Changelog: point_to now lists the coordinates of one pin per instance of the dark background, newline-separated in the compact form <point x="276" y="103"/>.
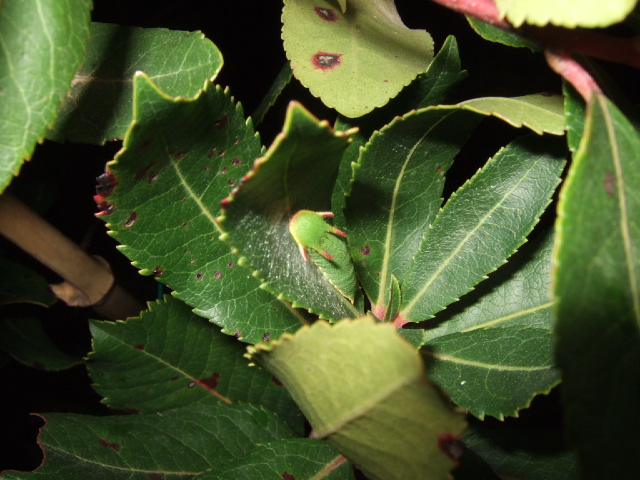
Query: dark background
<point x="60" y="179"/>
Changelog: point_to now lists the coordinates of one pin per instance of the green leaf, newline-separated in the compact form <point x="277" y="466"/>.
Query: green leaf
<point x="397" y="192"/>
<point x="575" y="110"/>
<point x="41" y="45"/>
<point x="282" y="80"/>
<point x="357" y="60"/>
<point x="178" y="443"/>
<point x="598" y="307"/>
<point x="570" y="13"/>
<point x="517" y="294"/>
<point x="481" y="225"/>
<point x="524" y="452"/>
<point x="26" y="341"/>
<point x="20" y="284"/>
<point x="496" y="371"/>
<point x="170" y="358"/>
<point x="179" y="160"/>
<point x="499" y="35"/>
<point x="542" y="113"/>
<point x="355" y="406"/>
<point x="99" y="107"/>
<point x="297" y="173"/>
<point x="300" y="458"/>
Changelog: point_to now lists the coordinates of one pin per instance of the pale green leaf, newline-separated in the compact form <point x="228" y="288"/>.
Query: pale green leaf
<point x="170" y="358"/>
<point x="297" y="173"/>
<point x="355" y="406"/>
<point x="597" y="287"/>
<point x="41" y="46"/>
<point x="179" y="160"/>
<point x="357" y="60"/>
<point x="496" y="371"/>
<point x="569" y="13"/>
<point x="99" y="108"/>
<point x="542" y="113"/>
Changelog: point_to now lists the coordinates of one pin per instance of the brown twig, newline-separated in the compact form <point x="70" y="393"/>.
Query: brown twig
<point x="88" y="280"/>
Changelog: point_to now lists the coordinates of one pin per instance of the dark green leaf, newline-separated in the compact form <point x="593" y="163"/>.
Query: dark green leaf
<point x="300" y="458"/>
<point x="19" y="284"/>
<point x="499" y="35"/>
<point x="597" y="286"/>
<point x="519" y="293"/>
<point x="397" y="192"/>
<point x="496" y="371"/>
<point x="481" y="225"/>
<point x="180" y="159"/>
<point x="574" y="110"/>
<point x="99" y="107"/>
<point x="170" y="358"/>
<point x="42" y="43"/>
<point x="389" y="420"/>
<point x="26" y="341"/>
<point x="297" y="173"/>
<point x="175" y="444"/>
<point x="281" y="81"/>
<point x="524" y="452"/>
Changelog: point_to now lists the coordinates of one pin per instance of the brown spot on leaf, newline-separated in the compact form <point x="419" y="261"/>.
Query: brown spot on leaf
<point x="157" y="272"/>
<point x="217" y="275"/>
<point x="211" y="153"/>
<point x="232" y="183"/>
<point x="153" y="176"/>
<point x="139" y="347"/>
<point x="327" y="14"/>
<point x="451" y="446"/>
<point x="236" y="161"/>
<point x="230" y="265"/>
<point x="276" y="381"/>
<point x="266" y="337"/>
<point x="326" y="61"/>
<point x="104" y="208"/>
<point x="131" y="220"/>
<point x="105" y="184"/>
<point x="365" y="250"/>
<point x="113" y="446"/>
<point x="610" y="184"/>
<point x="237" y="334"/>
<point x="145" y="144"/>
<point x="222" y="122"/>
<point x="155" y="476"/>
<point x="143" y="171"/>
<point x="223" y="170"/>
<point x="210" y="382"/>
<point x="288" y="476"/>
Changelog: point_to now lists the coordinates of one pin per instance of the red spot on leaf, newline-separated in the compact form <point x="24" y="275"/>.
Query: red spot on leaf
<point x="451" y="446"/>
<point x="222" y="122"/>
<point x="326" y="61"/>
<point x="104" y="207"/>
<point x="288" y="476"/>
<point x="114" y="446"/>
<point x="328" y="14"/>
<point x="210" y="383"/>
<point x="139" y="347"/>
<point x="230" y="265"/>
<point x="276" y="381"/>
<point x="131" y="220"/>
<point x="155" y="476"/>
<point x="143" y="171"/>
<point x="366" y="250"/>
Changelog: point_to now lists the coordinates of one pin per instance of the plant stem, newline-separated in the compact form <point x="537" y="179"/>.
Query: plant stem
<point x="88" y="280"/>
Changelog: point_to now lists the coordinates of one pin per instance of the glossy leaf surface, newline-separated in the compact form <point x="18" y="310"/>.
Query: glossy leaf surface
<point x="296" y="173"/>
<point x="170" y="358"/>
<point x="41" y="46"/>
<point x="299" y="458"/>
<point x="354" y="60"/>
<point x="484" y="223"/>
<point x="99" y="108"/>
<point x="496" y="371"/>
<point x="570" y="13"/>
<point x="597" y="286"/>
<point x="179" y="160"/>
<point x="178" y="443"/>
<point x="397" y="192"/>
<point x="354" y="406"/>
